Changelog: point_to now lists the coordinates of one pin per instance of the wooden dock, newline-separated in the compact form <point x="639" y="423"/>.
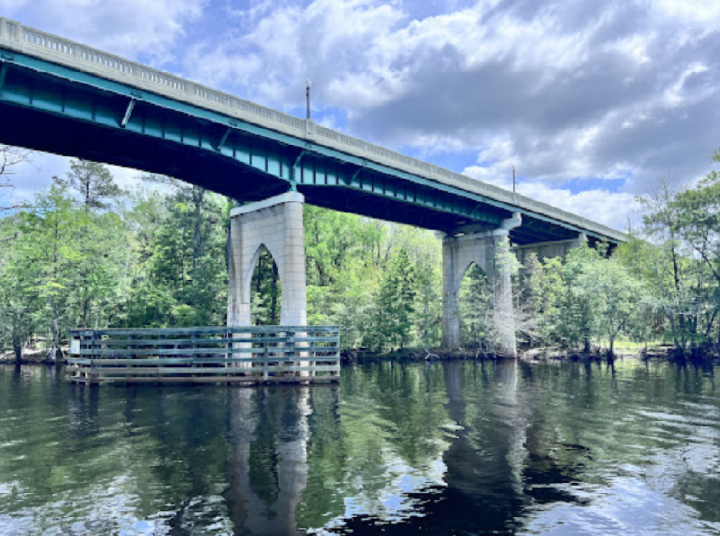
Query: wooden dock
<point x="238" y="355"/>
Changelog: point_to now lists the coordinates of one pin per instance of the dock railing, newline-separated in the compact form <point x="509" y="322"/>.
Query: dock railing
<point x="245" y="354"/>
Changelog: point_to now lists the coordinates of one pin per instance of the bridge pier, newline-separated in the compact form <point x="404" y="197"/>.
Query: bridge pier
<point x="489" y="249"/>
<point x="276" y="223"/>
<point x="549" y="250"/>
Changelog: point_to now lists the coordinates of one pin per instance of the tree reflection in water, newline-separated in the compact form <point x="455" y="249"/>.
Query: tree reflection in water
<point x="442" y="448"/>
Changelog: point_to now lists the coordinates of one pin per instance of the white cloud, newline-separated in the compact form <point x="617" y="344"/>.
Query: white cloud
<point x="330" y="41"/>
<point x="129" y="28"/>
<point x="693" y="11"/>
<point x="678" y="93"/>
<point x="528" y="83"/>
<point x="585" y="89"/>
<point x="36" y="175"/>
<point x="613" y="209"/>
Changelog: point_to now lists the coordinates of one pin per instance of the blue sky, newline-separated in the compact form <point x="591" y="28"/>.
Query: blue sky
<point x="590" y="101"/>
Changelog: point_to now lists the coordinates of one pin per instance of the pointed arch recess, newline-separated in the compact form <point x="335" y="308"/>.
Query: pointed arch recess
<point x="247" y="278"/>
<point x="275" y="291"/>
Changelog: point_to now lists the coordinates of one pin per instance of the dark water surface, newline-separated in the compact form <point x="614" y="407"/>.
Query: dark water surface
<point x="445" y="448"/>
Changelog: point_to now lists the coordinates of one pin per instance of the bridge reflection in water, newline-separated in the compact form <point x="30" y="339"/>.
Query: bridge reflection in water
<point x="267" y="468"/>
<point x="380" y="480"/>
<point x="442" y="448"/>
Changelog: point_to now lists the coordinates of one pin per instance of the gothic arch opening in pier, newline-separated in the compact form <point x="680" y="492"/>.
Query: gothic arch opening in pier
<point x="265" y="290"/>
<point x="475" y="304"/>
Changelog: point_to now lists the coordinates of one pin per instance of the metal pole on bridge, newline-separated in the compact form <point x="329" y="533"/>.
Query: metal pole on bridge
<point x="308" y="85"/>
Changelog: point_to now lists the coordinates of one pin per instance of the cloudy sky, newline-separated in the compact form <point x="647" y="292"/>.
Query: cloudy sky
<point x="590" y="100"/>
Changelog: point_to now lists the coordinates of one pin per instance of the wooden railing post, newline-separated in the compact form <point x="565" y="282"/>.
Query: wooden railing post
<point x="93" y="345"/>
<point x="266" y="355"/>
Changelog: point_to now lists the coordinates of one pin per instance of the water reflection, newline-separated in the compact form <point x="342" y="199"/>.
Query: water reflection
<point x="442" y="448"/>
<point x="267" y="459"/>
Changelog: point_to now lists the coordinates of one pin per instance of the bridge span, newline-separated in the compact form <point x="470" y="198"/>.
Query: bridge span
<point x="63" y="97"/>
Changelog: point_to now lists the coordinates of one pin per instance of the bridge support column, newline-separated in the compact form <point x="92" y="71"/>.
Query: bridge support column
<point x="549" y="250"/>
<point x="277" y="224"/>
<point x="490" y="251"/>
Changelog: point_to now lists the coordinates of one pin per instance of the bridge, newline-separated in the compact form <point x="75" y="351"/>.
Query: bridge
<point x="63" y="97"/>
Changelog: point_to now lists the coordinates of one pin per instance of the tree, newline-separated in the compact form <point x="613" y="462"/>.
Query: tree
<point x="53" y="226"/>
<point x="10" y="158"/>
<point x="396" y="302"/>
<point x="674" y="276"/>
<point x="265" y="291"/>
<point x="540" y="290"/>
<point x="189" y="260"/>
<point x="697" y="224"/>
<point x="475" y="304"/>
<point x="94" y="183"/>
<point x="342" y="279"/>
<point x="577" y="303"/>
<point x="425" y="253"/>
<point x="19" y="297"/>
<point x="619" y="303"/>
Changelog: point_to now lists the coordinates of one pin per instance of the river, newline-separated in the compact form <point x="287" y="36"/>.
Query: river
<point x="442" y="448"/>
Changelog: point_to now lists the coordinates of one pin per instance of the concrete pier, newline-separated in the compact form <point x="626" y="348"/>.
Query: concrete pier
<point x="488" y="248"/>
<point x="276" y="223"/>
<point x="549" y="250"/>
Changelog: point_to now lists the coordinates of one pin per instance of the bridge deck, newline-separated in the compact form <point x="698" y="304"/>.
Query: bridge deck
<point x="237" y="117"/>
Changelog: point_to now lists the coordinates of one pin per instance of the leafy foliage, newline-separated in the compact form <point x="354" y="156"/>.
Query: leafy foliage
<point x="476" y="304"/>
<point x="266" y="291"/>
<point x="395" y="305"/>
<point x="87" y="253"/>
<point x="93" y="182"/>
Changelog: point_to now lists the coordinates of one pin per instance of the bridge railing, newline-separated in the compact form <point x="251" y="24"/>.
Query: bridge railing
<point x="63" y="51"/>
<point x="247" y="354"/>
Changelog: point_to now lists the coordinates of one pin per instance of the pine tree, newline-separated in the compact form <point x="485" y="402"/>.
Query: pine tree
<point x="266" y="291"/>
<point x="396" y="301"/>
<point x="94" y="183"/>
<point x="475" y="303"/>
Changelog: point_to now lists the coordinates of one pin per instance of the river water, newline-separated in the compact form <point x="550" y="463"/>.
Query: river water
<point x="443" y="448"/>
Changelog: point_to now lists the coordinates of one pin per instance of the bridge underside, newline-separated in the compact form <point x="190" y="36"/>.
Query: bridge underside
<point x="52" y="108"/>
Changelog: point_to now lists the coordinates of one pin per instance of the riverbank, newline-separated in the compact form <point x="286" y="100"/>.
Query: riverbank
<point x="622" y="351"/>
<point x="30" y="357"/>
<point x="419" y="354"/>
<point x="415" y="355"/>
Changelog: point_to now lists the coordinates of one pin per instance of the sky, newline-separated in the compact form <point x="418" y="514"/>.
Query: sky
<point x="591" y="101"/>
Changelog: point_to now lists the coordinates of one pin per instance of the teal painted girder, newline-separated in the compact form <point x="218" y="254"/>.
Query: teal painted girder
<point x="118" y="124"/>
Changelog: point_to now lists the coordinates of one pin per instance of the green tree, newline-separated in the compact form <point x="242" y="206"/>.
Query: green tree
<point x="54" y="226"/>
<point x="576" y="306"/>
<point x="10" y="158"/>
<point x="425" y="253"/>
<point x="396" y="302"/>
<point x="93" y="182"/>
<point x="265" y="291"/>
<point x="76" y="264"/>
<point x="675" y="276"/>
<point x="188" y="262"/>
<point x="342" y="276"/>
<point x="540" y="290"/>
<point x="697" y="224"/>
<point x="19" y="297"/>
<point x="475" y="303"/>
<point x="619" y="303"/>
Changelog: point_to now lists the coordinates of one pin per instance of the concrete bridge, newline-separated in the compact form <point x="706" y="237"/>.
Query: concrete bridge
<point x="67" y="98"/>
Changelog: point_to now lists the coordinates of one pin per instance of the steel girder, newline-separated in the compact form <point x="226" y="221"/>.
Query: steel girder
<point x="56" y="109"/>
